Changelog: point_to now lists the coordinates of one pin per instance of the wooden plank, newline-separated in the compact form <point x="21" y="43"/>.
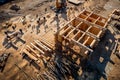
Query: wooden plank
<point x="33" y="51"/>
<point x="44" y="45"/>
<point x="40" y="45"/>
<point x="37" y="48"/>
<point x="30" y="55"/>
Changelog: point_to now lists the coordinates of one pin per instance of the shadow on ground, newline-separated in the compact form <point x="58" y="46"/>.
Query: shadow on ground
<point x="100" y="57"/>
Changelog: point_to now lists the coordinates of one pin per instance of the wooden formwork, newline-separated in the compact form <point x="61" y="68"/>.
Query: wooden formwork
<point x="93" y="19"/>
<point x="38" y="50"/>
<point x="82" y="33"/>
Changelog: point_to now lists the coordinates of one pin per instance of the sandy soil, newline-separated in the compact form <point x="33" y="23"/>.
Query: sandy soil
<point x="33" y="7"/>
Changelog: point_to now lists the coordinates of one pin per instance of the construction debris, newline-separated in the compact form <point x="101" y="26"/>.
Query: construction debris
<point x="15" y="7"/>
<point x="3" y="60"/>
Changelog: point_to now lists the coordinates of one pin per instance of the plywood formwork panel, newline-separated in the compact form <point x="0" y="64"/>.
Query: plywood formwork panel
<point x="82" y="16"/>
<point x="75" y="22"/>
<point x="77" y="36"/>
<point x="83" y="26"/>
<point x="87" y="13"/>
<point x="84" y="38"/>
<point x="67" y="31"/>
<point x="102" y="19"/>
<point x="94" y="30"/>
<point x="89" y="41"/>
<point x="100" y="23"/>
<point x="82" y="46"/>
<point x="71" y="31"/>
<point x="94" y="16"/>
<point x="90" y="19"/>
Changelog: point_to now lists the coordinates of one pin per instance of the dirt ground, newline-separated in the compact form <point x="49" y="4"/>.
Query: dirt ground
<point x="31" y="8"/>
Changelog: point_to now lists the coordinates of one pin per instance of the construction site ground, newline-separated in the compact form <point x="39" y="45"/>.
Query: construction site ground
<point x="102" y="58"/>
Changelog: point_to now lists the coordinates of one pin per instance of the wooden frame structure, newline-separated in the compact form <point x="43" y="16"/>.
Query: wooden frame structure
<point x="38" y="50"/>
<point x="82" y="33"/>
